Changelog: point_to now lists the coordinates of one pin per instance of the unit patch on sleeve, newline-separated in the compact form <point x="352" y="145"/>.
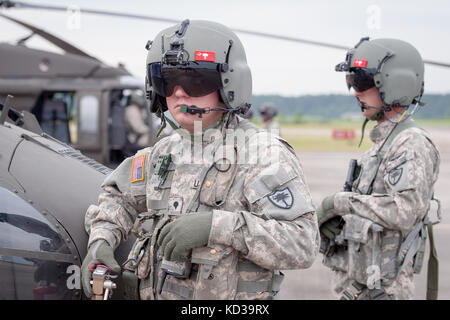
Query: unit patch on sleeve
<point x="282" y="198"/>
<point x="137" y="168"/>
<point x="395" y="175"/>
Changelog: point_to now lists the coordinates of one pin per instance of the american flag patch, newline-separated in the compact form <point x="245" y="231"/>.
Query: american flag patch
<point x="137" y="168"/>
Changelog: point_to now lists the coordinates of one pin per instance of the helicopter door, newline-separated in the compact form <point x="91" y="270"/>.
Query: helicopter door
<point x="117" y="130"/>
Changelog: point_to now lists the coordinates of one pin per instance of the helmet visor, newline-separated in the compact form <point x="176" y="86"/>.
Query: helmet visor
<point x="360" y="80"/>
<point x="196" y="78"/>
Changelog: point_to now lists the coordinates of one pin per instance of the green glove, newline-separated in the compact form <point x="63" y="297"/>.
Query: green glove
<point x="324" y="209"/>
<point x="186" y="232"/>
<point x="331" y="228"/>
<point x="100" y="252"/>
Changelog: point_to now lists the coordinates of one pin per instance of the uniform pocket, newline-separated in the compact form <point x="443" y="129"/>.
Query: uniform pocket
<point x="218" y="181"/>
<point x="217" y="276"/>
<point x="356" y="228"/>
<point x="367" y="174"/>
<point x="338" y="261"/>
<point x="139" y="258"/>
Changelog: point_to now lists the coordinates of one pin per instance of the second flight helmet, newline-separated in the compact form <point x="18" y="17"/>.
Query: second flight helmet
<point x="394" y="66"/>
<point x="202" y="57"/>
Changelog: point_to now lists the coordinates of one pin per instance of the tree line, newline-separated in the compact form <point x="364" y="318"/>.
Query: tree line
<point x="335" y="105"/>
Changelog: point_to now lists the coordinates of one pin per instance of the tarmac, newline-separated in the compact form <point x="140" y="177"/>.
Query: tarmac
<point x="325" y="174"/>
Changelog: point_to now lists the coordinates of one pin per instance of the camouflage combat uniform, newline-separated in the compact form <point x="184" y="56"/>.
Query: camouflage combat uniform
<point x="379" y="216"/>
<point x="263" y="218"/>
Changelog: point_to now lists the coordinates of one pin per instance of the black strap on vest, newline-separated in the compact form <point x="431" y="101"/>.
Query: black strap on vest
<point x="433" y="263"/>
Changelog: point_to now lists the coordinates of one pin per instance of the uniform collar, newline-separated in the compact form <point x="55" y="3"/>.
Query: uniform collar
<point x="381" y="131"/>
<point x="205" y="136"/>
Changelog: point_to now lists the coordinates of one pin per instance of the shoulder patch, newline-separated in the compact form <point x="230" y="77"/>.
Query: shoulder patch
<point x="137" y="168"/>
<point x="282" y="198"/>
<point x="395" y="175"/>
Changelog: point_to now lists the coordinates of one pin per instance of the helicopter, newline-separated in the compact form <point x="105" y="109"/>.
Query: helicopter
<point x="75" y="97"/>
<point x="46" y="187"/>
<point x="80" y="100"/>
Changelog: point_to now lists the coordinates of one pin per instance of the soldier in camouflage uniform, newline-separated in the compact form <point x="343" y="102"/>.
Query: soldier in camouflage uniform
<point x="225" y="219"/>
<point x="373" y="235"/>
<point x="138" y="129"/>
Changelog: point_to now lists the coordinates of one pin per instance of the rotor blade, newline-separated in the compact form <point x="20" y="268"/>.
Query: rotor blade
<point x="18" y="4"/>
<point x="67" y="47"/>
<point x="23" y="5"/>
<point x="279" y="37"/>
<point x="435" y="63"/>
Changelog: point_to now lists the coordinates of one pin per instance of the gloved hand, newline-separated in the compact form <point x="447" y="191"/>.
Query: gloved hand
<point x="323" y="211"/>
<point x="100" y="252"/>
<point x="331" y="228"/>
<point x="186" y="232"/>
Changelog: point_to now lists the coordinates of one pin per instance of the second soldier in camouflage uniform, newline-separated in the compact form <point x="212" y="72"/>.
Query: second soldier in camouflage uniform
<point x="373" y="237"/>
<point x="224" y="225"/>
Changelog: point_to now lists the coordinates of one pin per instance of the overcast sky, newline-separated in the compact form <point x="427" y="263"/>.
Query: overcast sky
<point x="278" y="67"/>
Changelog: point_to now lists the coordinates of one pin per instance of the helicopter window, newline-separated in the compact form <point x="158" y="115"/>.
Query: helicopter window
<point x="33" y="257"/>
<point x="89" y="114"/>
<point x="53" y="111"/>
<point x="117" y="128"/>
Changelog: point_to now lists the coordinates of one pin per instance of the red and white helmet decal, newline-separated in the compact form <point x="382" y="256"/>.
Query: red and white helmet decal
<point x="205" y="56"/>
<point x="360" y="63"/>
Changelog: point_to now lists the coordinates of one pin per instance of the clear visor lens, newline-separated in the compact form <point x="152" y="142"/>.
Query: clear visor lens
<point x="197" y="78"/>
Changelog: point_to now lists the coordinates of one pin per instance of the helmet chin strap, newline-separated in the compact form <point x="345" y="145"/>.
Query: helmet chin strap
<point x="380" y="115"/>
<point x="164" y="121"/>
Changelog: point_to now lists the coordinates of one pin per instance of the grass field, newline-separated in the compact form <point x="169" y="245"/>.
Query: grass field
<point x="352" y="124"/>
<point x="316" y="135"/>
<point x="325" y="143"/>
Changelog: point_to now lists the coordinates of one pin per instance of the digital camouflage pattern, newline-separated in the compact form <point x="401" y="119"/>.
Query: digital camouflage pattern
<point x="251" y="238"/>
<point x="399" y="200"/>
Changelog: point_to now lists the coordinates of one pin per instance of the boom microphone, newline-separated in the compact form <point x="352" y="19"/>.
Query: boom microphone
<point x="200" y="111"/>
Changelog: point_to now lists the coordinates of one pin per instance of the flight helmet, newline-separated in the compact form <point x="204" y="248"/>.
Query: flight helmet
<point x="202" y="57"/>
<point x="394" y="66"/>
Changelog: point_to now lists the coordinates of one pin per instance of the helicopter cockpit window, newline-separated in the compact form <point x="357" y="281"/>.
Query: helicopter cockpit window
<point x="128" y="129"/>
<point x="34" y="259"/>
<point x="89" y="114"/>
<point x="54" y="111"/>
